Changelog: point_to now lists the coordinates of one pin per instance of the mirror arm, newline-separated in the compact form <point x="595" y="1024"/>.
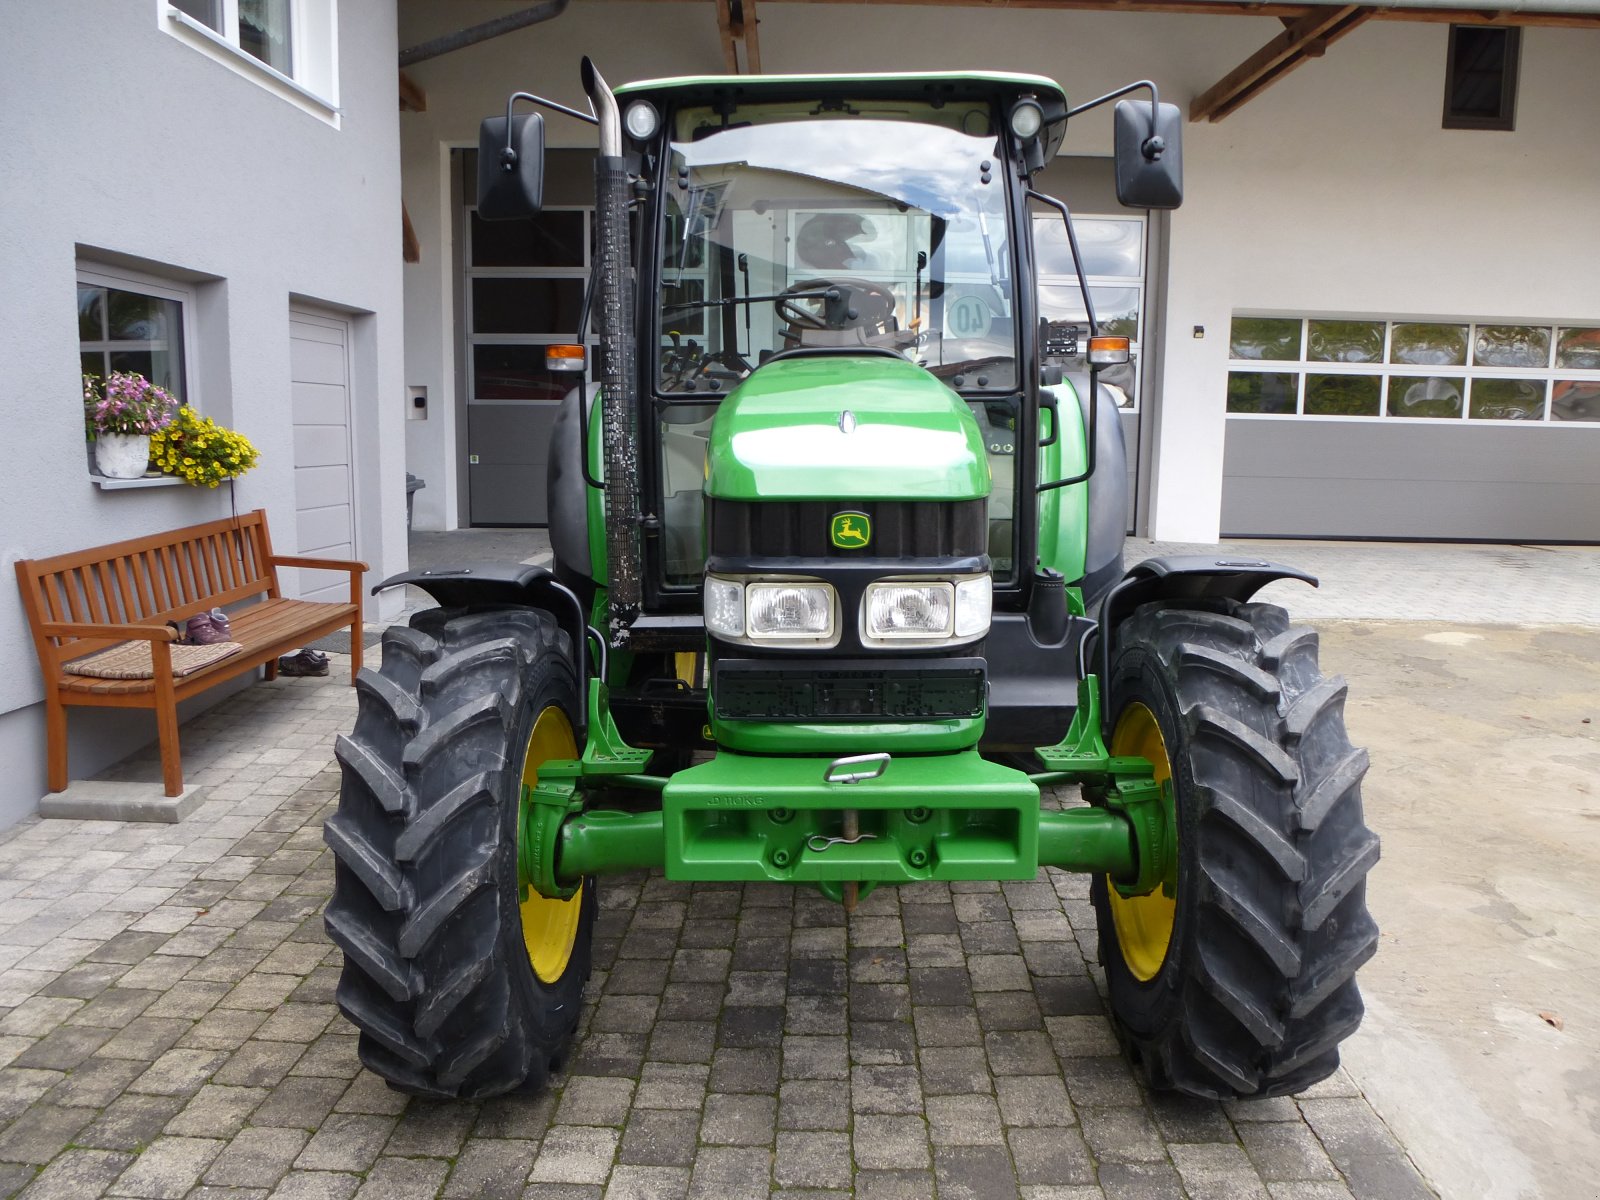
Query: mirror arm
<point x="1153" y="147"/>
<point x="508" y="156"/>
<point x="1094" y="330"/>
<point x="1077" y="260"/>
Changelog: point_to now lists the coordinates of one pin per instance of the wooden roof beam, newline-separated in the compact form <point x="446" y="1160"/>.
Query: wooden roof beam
<point x="1252" y="8"/>
<point x="412" y="97"/>
<point x="1309" y="37"/>
<point x="736" y="24"/>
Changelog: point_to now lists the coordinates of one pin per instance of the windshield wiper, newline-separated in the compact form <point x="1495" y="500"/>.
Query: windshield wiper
<point x="816" y="294"/>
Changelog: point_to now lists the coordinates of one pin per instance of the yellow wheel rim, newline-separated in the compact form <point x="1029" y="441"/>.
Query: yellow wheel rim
<point x="549" y="927"/>
<point x="1143" y="923"/>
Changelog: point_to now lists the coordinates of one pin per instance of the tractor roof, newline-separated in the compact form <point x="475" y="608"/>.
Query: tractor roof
<point x="910" y="83"/>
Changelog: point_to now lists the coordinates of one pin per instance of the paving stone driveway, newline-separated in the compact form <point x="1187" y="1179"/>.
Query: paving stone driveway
<point x="168" y="1029"/>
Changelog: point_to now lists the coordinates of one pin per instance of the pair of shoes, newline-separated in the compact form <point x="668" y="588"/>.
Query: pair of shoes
<point x="303" y="664"/>
<point x="203" y="629"/>
<point x="208" y="628"/>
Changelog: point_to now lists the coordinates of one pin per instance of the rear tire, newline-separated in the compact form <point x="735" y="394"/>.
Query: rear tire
<point x="439" y="976"/>
<point x="1254" y="986"/>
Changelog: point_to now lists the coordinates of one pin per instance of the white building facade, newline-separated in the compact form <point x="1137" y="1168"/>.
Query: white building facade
<point x="207" y="193"/>
<point x="1360" y="323"/>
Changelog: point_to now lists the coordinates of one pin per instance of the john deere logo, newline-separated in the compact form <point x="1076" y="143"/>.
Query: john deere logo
<point x="850" y="530"/>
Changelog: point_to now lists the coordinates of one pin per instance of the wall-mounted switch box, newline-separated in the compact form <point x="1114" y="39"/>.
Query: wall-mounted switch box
<point x="416" y="404"/>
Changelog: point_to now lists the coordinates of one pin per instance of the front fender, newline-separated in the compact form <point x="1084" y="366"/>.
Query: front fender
<point x="502" y="585"/>
<point x="1180" y="578"/>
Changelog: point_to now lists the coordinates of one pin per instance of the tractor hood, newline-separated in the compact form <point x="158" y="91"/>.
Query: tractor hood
<point x="837" y="426"/>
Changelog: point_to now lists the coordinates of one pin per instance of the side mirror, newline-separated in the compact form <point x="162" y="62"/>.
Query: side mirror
<point x="1149" y="155"/>
<point x="510" y="168"/>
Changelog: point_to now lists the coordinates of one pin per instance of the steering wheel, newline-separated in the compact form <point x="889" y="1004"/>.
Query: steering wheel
<point x="859" y="303"/>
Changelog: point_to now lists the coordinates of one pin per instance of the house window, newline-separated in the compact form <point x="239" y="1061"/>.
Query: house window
<point x="289" y="46"/>
<point x="1480" y="85"/>
<point x="133" y="324"/>
<point x="1477" y="371"/>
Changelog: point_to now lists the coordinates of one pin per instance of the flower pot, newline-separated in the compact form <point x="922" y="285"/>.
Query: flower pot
<point x="122" y="455"/>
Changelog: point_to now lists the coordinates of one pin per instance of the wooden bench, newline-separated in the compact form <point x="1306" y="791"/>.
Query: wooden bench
<point x="93" y="599"/>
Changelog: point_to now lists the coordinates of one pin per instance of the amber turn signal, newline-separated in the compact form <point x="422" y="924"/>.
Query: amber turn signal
<point x="570" y="358"/>
<point x="1108" y="351"/>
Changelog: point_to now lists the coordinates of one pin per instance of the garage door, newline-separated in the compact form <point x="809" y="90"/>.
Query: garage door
<point x="324" y="491"/>
<point x="1394" y="428"/>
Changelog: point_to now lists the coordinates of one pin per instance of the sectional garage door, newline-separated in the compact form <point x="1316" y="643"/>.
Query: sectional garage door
<point x="324" y="485"/>
<point x="1424" y="429"/>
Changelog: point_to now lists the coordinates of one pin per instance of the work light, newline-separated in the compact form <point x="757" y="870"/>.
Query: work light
<point x="642" y="120"/>
<point x="1027" y="118"/>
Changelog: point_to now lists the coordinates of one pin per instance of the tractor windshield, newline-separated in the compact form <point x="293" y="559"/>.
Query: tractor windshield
<point x="846" y="223"/>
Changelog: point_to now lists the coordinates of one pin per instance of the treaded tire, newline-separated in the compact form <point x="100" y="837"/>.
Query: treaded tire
<point x="425" y="902"/>
<point x="1257" y="988"/>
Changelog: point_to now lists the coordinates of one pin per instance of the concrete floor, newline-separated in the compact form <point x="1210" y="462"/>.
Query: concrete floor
<point x="1481" y="1047"/>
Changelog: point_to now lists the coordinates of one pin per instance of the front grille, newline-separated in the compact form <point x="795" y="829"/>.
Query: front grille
<point x="748" y="691"/>
<point x="800" y="528"/>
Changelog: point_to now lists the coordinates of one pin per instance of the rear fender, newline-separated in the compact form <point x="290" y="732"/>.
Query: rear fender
<point x="1181" y="579"/>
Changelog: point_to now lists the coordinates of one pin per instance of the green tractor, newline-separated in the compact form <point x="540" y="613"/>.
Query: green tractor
<point x="838" y="589"/>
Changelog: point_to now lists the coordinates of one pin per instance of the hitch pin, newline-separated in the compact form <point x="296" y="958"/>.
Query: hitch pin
<point x="818" y="842"/>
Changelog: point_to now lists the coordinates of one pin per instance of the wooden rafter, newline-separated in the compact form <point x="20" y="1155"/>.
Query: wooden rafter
<point x="412" y="97"/>
<point x="1253" y="8"/>
<point x="1309" y="37"/>
<point x="736" y="23"/>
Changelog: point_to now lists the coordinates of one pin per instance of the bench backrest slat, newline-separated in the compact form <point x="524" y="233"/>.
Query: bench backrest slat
<point x="154" y="579"/>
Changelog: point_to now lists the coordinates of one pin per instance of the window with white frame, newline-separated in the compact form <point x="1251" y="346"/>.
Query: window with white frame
<point x="288" y="45"/>
<point x="1113" y="250"/>
<point x="137" y="324"/>
<point x="1386" y="368"/>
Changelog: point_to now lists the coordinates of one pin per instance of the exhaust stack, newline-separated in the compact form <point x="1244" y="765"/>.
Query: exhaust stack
<point x="618" y="361"/>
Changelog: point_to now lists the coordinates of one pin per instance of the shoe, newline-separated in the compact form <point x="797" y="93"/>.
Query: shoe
<point x="208" y="628"/>
<point x="303" y="664"/>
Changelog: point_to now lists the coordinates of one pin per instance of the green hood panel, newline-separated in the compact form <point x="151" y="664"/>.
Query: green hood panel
<point x="781" y="435"/>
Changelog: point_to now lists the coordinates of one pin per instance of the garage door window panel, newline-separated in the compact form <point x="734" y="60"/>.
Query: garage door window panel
<point x="1425" y="396"/>
<point x="1428" y="345"/>
<point x="1270" y="392"/>
<point x="1578" y="349"/>
<point x="1511" y="346"/>
<point x="1345" y="341"/>
<point x="1575" y="400"/>
<point x="1344" y="395"/>
<point x="1269" y="338"/>
<point x="1508" y="399"/>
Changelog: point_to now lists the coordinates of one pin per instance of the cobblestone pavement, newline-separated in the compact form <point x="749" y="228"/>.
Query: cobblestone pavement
<point x="168" y="1029"/>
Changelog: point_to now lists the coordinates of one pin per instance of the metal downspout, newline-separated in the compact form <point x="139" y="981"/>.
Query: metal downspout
<point x="471" y="36"/>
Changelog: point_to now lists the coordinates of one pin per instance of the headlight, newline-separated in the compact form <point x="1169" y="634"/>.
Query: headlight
<point x="789" y="610"/>
<point x="905" y="612"/>
<point x="909" y="610"/>
<point x="775" y="610"/>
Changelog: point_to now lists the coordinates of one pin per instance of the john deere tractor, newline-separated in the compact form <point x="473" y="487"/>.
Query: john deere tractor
<point x="838" y="592"/>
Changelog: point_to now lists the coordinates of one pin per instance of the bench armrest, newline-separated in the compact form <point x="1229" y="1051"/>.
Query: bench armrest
<point x="317" y="564"/>
<point x="108" y="631"/>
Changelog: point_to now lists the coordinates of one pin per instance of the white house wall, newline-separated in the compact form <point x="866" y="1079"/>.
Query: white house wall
<point x="117" y="136"/>
<point x="1335" y="192"/>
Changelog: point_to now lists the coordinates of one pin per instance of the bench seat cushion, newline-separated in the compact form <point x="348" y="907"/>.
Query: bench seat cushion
<point x="263" y="630"/>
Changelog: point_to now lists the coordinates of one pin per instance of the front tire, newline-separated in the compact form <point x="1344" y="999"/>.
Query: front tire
<point x="460" y="988"/>
<point x="1241" y="983"/>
